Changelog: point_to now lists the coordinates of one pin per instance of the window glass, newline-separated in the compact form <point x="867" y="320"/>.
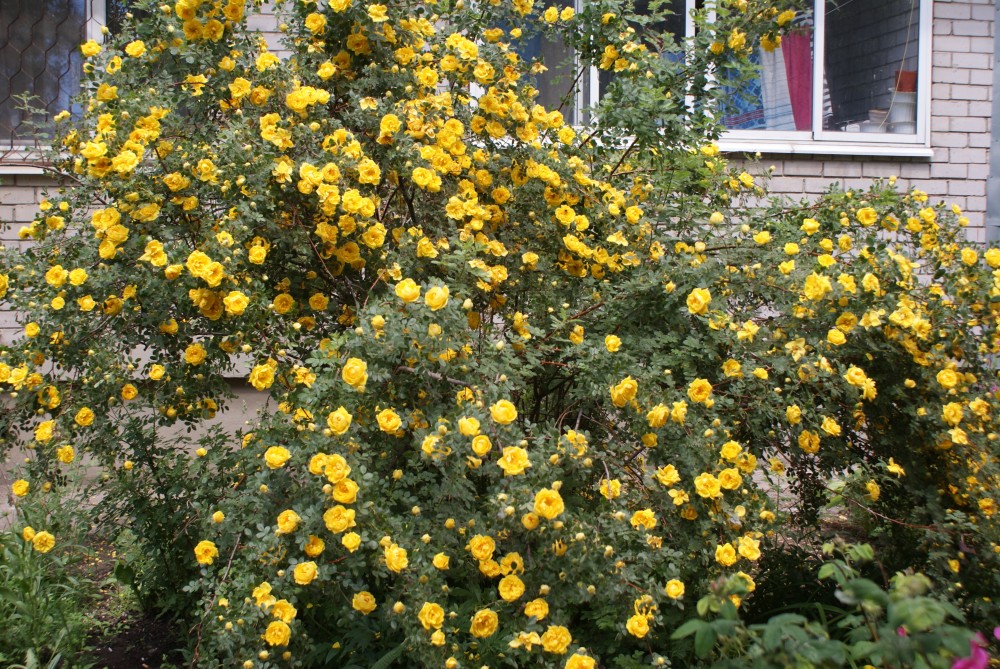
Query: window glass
<point x="557" y="85"/>
<point x="779" y="96"/>
<point x="39" y="55"/>
<point x="871" y="65"/>
<point x="870" y="54"/>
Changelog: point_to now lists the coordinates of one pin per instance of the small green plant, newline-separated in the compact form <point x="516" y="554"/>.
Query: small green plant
<point x="41" y="601"/>
<point x="906" y="625"/>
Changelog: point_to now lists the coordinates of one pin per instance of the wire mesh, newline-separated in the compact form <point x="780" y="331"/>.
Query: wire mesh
<point x="41" y="63"/>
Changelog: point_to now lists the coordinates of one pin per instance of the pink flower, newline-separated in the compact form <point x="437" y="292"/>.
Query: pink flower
<point x="978" y="657"/>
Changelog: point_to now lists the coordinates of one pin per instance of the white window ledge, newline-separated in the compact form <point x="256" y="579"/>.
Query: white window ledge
<point x="809" y="148"/>
<point x="21" y="161"/>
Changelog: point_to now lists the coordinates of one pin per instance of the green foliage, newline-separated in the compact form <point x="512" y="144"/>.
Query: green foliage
<point x="905" y="626"/>
<point x="44" y="592"/>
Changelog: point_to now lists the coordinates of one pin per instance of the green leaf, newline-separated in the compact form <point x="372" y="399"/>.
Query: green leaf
<point x="704" y="640"/>
<point x="386" y="660"/>
<point x="688" y="628"/>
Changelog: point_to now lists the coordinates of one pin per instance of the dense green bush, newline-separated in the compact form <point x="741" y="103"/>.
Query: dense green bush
<point x="534" y="384"/>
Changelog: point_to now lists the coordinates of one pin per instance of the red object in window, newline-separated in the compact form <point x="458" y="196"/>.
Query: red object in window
<point x="906" y="81"/>
<point x="797" y="48"/>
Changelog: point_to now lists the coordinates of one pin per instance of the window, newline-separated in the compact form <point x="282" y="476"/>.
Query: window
<point x="851" y="76"/>
<point x="850" y="72"/>
<point x="40" y="57"/>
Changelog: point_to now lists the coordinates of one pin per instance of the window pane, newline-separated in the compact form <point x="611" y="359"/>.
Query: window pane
<point x="38" y="56"/>
<point x="871" y="65"/>
<point x="779" y="95"/>
<point x="557" y="85"/>
<point x="667" y="34"/>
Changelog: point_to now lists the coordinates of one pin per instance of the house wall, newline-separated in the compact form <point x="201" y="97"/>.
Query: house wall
<point x="961" y="112"/>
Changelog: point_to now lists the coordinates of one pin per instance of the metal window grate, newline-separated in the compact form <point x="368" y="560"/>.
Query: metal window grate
<point x="40" y="57"/>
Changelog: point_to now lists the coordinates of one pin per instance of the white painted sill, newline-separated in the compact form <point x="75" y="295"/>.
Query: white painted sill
<point x="824" y="148"/>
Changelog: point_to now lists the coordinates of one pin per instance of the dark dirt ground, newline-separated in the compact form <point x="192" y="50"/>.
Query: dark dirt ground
<point x="126" y="637"/>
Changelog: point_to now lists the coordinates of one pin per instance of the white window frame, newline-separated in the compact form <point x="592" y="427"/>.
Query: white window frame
<point x="25" y="161"/>
<point x="821" y="142"/>
<point x="833" y="142"/>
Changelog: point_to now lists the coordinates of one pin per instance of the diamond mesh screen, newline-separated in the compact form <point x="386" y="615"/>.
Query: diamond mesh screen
<point x="40" y="58"/>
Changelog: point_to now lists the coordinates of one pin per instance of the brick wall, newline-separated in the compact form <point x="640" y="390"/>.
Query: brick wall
<point x="961" y="111"/>
<point x="19" y="197"/>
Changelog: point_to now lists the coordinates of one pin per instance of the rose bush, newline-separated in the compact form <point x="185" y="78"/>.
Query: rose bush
<point x="532" y="381"/>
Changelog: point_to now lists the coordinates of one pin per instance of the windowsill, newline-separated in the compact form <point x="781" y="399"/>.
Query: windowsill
<point x="825" y="148"/>
<point x="21" y="161"/>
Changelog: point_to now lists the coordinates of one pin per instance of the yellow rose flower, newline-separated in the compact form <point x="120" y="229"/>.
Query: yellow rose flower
<point x="395" y="558"/>
<point x="610" y="488"/>
<point x="749" y="548"/>
<point x="205" y="552"/>
<point x="129" y="392"/>
<point x="388" y="421"/>
<point x="282" y="610"/>
<point x="45" y="431"/>
<point x="699" y="390"/>
<point x="84" y="417"/>
<point x="65" y="454"/>
<point x="513" y="461"/>
<point x="436" y="297"/>
<point x="510" y="588"/>
<point x="276" y="456"/>
<point x="305" y="572"/>
<point x="624" y="392"/>
<point x="351" y="541"/>
<point x="278" y="633"/>
<point x="345" y="491"/>
<point x="43" y="541"/>
<point x="235" y="303"/>
<point x="431" y="616"/>
<point x="612" y="343"/>
<point x="288" y="521"/>
<point x="90" y="48"/>
<point x="947" y="378"/>
<point x="339" y="421"/>
<point x="707" y="486"/>
<point x="441" y="561"/>
<point x="577" y="661"/>
<point x="407" y="290"/>
<point x="355" y="373"/>
<point x="556" y="638"/>
<point x="363" y="602"/>
<point x="484" y="623"/>
<point x="135" y="48"/>
<point x="730" y="479"/>
<point x="698" y="301"/>
<point x="867" y="216"/>
<point x="537" y="609"/>
<point x="637" y="625"/>
<point x="809" y="441"/>
<point x="674" y="589"/>
<point x="503" y="412"/>
<point x="548" y="503"/>
<point x="644" y="518"/>
<point x="725" y="555"/>
<point x="481" y="547"/>
<point x="20" y="488"/>
<point x="195" y="354"/>
<point x="667" y="475"/>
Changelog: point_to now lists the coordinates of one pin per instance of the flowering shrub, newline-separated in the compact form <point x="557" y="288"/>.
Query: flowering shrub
<point x="530" y="379"/>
